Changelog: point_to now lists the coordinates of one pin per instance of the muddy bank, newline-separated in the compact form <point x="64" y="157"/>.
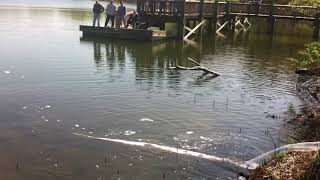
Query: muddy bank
<point x="291" y="165"/>
<point x="306" y="125"/>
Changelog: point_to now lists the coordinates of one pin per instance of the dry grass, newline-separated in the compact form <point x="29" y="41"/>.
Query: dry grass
<point x="285" y="166"/>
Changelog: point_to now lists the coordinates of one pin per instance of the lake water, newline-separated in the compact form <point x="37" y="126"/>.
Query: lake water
<point x="62" y="4"/>
<point x="54" y="84"/>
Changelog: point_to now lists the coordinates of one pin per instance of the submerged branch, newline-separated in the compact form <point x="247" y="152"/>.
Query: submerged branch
<point x="196" y="68"/>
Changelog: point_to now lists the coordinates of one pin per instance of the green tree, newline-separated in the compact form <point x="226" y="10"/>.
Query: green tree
<point x="306" y="2"/>
<point x="309" y="58"/>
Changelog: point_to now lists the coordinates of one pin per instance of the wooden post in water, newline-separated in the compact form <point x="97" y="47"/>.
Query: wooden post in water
<point x="316" y="27"/>
<point x="228" y="16"/>
<point x="215" y="16"/>
<point x="201" y="16"/>
<point x="210" y="25"/>
<point x="271" y="19"/>
<point x="201" y="10"/>
<point x="181" y="21"/>
<point x="233" y="23"/>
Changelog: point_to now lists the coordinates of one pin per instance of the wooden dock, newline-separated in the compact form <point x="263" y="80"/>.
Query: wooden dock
<point x="182" y="12"/>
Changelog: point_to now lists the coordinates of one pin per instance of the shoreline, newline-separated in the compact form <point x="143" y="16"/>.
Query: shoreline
<point x="303" y="165"/>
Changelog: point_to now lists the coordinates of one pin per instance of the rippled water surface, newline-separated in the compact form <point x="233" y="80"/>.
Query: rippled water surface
<point x="55" y="83"/>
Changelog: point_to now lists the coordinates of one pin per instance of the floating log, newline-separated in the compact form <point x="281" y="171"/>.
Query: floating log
<point x="198" y="67"/>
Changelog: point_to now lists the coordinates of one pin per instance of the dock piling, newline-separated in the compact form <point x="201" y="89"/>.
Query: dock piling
<point x="215" y="16"/>
<point x="271" y="19"/>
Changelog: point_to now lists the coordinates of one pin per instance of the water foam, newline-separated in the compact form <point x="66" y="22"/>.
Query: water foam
<point x="238" y="164"/>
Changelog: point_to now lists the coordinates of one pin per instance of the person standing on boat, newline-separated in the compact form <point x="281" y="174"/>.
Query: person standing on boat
<point x="97" y="10"/>
<point x="120" y="15"/>
<point x="111" y="12"/>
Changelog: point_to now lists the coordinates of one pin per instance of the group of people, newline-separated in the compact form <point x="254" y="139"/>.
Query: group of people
<point x="118" y="15"/>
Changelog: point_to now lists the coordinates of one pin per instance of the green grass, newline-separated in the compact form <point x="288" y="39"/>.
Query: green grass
<point x="281" y="154"/>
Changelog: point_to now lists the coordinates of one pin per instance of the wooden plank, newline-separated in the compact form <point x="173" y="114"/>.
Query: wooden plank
<point x="194" y="29"/>
<point x="222" y="26"/>
<point x="239" y="23"/>
<point x="189" y="29"/>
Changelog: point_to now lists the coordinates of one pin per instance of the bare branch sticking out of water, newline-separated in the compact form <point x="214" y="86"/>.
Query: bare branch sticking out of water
<point x="271" y="137"/>
<point x="197" y="67"/>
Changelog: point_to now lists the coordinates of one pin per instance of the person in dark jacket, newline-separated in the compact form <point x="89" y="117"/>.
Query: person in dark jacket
<point x="97" y="10"/>
<point x="133" y="20"/>
<point x="111" y="11"/>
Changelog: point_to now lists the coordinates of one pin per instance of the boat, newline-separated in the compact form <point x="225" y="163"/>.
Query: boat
<point x="128" y="34"/>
